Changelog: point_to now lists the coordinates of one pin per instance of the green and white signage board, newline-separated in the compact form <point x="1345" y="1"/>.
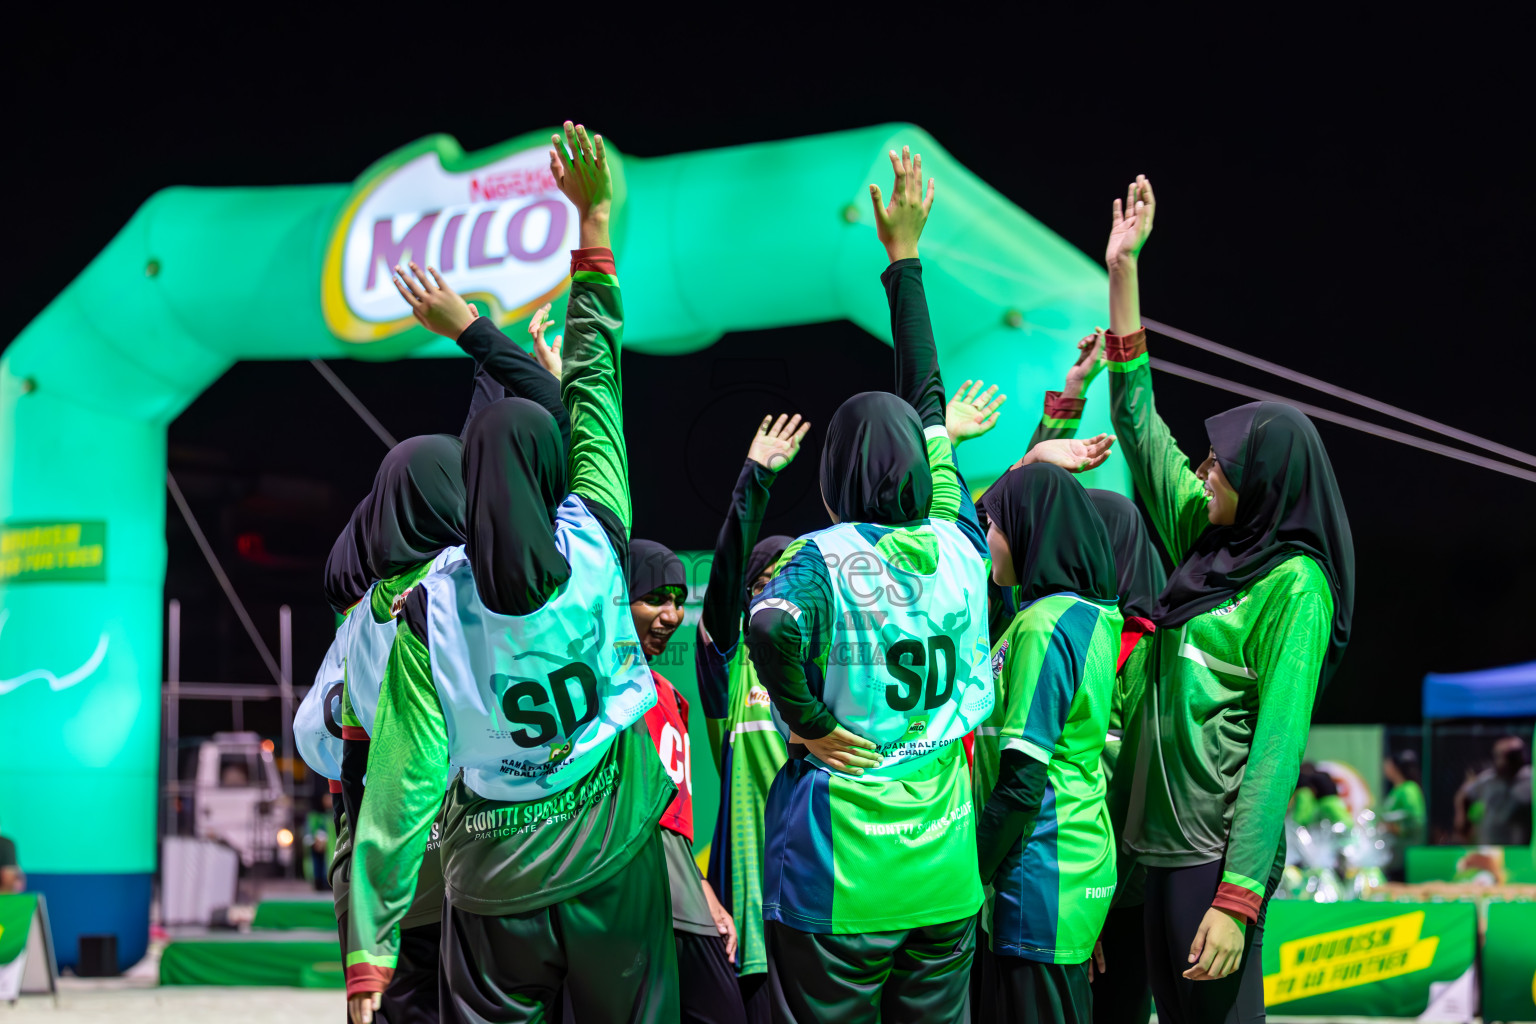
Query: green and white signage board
<point x="27" y="964"/>
<point x="1366" y="959"/>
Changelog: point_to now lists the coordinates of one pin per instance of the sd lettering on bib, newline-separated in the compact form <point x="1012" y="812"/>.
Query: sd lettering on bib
<point x="909" y="664"/>
<point x="533" y="701"/>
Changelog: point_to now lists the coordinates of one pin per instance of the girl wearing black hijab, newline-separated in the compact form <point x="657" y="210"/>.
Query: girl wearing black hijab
<point x="747" y="749"/>
<point x="872" y="644"/>
<point x="1045" y="843"/>
<point x="521" y="666"/>
<point x="1252" y="623"/>
<point x="702" y="929"/>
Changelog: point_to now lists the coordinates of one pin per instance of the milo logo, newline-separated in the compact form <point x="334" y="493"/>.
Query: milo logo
<point x="493" y="224"/>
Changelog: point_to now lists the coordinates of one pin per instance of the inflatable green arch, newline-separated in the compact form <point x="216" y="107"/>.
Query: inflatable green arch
<point x="202" y="277"/>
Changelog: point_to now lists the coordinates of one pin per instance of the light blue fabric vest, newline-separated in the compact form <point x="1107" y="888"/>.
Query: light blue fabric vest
<point x="910" y="664"/>
<point x="533" y="701"/>
<point x="317" y="723"/>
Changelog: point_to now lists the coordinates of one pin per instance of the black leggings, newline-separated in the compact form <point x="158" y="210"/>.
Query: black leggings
<point x="706" y="981"/>
<point x="1177" y="899"/>
<point x="1120" y="994"/>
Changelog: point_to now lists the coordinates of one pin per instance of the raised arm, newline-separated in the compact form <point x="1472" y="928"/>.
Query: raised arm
<point x="594" y="331"/>
<point x="500" y="366"/>
<point x="1064" y="409"/>
<point x="407" y="769"/>
<point x="1175" y="499"/>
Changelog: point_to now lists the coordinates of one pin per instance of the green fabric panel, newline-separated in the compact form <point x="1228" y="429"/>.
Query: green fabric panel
<point x="289" y="914"/>
<point x="1445" y="863"/>
<point x="307" y="963"/>
<point x="15" y="922"/>
<point x="1509" y="962"/>
<point x="1363" y="959"/>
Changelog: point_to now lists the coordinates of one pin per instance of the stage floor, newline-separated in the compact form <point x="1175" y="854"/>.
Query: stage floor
<point x="122" y="1001"/>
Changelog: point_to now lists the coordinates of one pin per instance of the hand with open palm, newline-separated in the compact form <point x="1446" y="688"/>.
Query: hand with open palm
<point x="1071" y="454"/>
<point x="972" y="412"/>
<point x="1131" y="224"/>
<point x="777" y="442"/>
<point x="547" y="353"/>
<point x="899" y="223"/>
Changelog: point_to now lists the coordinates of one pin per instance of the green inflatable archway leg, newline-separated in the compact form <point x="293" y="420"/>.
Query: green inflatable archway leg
<point x="750" y="237"/>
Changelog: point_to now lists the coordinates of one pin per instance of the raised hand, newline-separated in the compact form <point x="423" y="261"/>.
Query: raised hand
<point x="777" y="442"/>
<point x="1070" y="453"/>
<point x="1090" y="360"/>
<point x="436" y="307"/>
<point x="547" y="353"/>
<point x="972" y="412"/>
<point x="900" y="223"/>
<point x="1130" y="224"/>
<point x="580" y="167"/>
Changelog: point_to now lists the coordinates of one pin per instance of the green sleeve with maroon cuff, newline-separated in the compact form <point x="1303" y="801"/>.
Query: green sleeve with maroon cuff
<point x="1290" y="650"/>
<point x="1061" y="418"/>
<point x="592" y="388"/>
<point x="407" y="772"/>
<point x="1174" y="496"/>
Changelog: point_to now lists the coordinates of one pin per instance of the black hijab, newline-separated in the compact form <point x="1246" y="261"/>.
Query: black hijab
<point x="1058" y="541"/>
<point x="764" y="553"/>
<point x="346" y="568"/>
<point x="874" y="463"/>
<point x="1139" y="575"/>
<point x="653" y="566"/>
<point x="1287" y="503"/>
<point x="515" y="479"/>
<point x="416" y="507"/>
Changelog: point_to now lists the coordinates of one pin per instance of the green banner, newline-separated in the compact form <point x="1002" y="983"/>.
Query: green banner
<point x="1509" y="962"/>
<point x="1363" y="959"/>
<point x="53" y="552"/>
<point x="1491" y="865"/>
<point x="15" y="922"/>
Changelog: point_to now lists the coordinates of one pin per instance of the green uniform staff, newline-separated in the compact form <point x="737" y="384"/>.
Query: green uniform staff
<point x="1403" y="813"/>
<point x="744" y="742"/>
<point x="1046" y="847"/>
<point x="1253" y="621"/>
<point x="521" y="666"/>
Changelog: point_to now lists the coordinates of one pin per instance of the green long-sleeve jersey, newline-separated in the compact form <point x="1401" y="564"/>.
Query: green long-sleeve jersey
<point x="503" y="858"/>
<point x="1212" y="754"/>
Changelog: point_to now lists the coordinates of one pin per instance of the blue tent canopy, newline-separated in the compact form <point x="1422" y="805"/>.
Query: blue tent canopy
<point x="1508" y="692"/>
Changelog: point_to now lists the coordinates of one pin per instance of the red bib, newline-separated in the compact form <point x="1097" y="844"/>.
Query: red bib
<point x="668" y="723"/>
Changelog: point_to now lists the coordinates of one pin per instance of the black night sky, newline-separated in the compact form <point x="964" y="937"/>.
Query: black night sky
<point x="1350" y="200"/>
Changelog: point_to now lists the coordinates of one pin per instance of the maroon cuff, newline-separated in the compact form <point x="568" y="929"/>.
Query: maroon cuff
<point x="1059" y="408"/>
<point x="1120" y="348"/>
<point x="354" y="732"/>
<point x="1234" y="899"/>
<point x="599" y="258"/>
<point x="335" y="785"/>
<point x="365" y="978"/>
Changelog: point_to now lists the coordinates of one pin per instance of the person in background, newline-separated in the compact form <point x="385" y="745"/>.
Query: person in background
<point x="1251" y="626"/>
<point x="1403" y="814"/>
<point x="12" y="878"/>
<point x="702" y="929"/>
<point x="1504" y="791"/>
<point x="319" y="837"/>
<point x="747" y="749"/>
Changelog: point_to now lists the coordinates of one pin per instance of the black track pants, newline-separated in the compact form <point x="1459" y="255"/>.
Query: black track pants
<point x="706" y="981"/>
<point x="1121" y="995"/>
<point x="610" y="949"/>
<point x="1011" y="988"/>
<point x="917" y="975"/>
<point x="1177" y="899"/>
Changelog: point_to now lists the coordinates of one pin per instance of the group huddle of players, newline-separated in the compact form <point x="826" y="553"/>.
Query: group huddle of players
<point x="970" y="752"/>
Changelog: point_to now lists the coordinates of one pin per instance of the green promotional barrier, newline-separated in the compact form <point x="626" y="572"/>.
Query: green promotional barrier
<point x="1509" y="963"/>
<point x="287" y="915"/>
<point x="1494" y="865"/>
<point x="247" y="960"/>
<point x="1363" y="959"/>
<point x="202" y="277"/>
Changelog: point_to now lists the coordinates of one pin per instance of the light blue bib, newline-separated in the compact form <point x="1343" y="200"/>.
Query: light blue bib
<point x="533" y="701"/>
<point x="909" y="666"/>
<point x="317" y="723"/>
